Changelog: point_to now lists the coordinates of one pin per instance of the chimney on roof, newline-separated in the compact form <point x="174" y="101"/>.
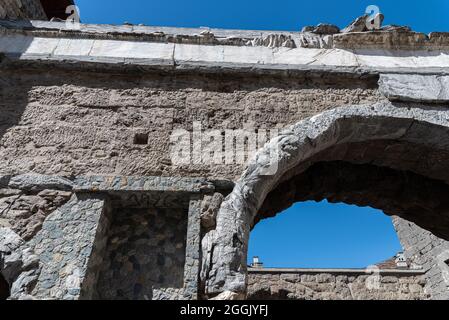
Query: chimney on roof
<point x="256" y="262"/>
<point x="401" y="261"/>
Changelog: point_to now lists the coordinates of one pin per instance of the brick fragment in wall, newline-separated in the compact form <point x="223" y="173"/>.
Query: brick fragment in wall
<point x="24" y="212"/>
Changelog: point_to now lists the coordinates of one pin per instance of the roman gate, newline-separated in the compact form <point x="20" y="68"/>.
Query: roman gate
<point x="135" y="160"/>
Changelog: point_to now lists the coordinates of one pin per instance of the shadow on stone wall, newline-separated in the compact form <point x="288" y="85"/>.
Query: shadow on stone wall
<point x="4" y="288"/>
<point x="13" y="101"/>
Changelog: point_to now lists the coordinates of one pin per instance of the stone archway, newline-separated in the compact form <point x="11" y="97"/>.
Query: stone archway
<point x="384" y="135"/>
<point x="363" y="185"/>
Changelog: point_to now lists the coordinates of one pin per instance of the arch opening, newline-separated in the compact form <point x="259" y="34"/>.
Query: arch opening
<point x="323" y="235"/>
<point x="390" y="191"/>
<point x="406" y="146"/>
<point x="395" y="192"/>
<point x="321" y="251"/>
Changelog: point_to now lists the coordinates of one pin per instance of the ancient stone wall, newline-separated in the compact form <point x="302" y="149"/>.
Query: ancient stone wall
<point x="99" y="105"/>
<point x="70" y="248"/>
<point x="74" y="124"/>
<point x="334" y="286"/>
<point x="22" y="9"/>
<point x="25" y="205"/>
<point x="84" y="239"/>
<point x="145" y="255"/>
<point x="429" y="252"/>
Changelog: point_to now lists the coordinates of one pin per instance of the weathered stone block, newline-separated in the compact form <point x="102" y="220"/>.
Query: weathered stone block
<point x="81" y="225"/>
<point x="417" y="88"/>
<point x="39" y="182"/>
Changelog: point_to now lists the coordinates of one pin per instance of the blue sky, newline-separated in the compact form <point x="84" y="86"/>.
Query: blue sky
<point x="324" y="235"/>
<point x="292" y="15"/>
<point x="308" y="234"/>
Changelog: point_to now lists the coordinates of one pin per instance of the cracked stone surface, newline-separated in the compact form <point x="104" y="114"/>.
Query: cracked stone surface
<point x="426" y="250"/>
<point x="94" y="126"/>
<point x="179" y="50"/>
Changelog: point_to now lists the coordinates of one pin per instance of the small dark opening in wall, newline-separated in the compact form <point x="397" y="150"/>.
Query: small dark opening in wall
<point x="141" y="138"/>
<point x="447" y="262"/>
<point x="4" y="289"/>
